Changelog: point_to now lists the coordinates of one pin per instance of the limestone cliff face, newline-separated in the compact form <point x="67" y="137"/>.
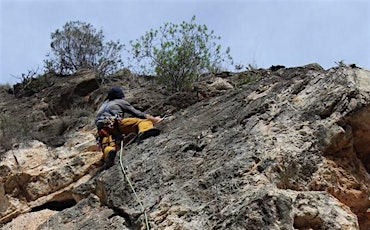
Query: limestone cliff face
<point x="288" y="151"/>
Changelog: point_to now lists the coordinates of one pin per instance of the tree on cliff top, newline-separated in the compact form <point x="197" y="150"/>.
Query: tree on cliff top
<point x="80" y="46"/>
<point x="179" y="53"/>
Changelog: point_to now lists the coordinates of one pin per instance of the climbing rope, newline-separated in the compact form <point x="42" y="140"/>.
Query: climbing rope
<point x="132" y="187"/>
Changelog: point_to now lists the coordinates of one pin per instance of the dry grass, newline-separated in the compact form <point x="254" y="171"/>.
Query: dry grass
<point x="13" y="130"/>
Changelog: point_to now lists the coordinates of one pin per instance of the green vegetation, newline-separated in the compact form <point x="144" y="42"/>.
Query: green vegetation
<point x="179" y="53"/>
<point x="80" y="46"/>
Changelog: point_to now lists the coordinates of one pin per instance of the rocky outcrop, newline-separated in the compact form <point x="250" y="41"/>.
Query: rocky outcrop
<point x="34" y="176"/>
<point x="287" y="151"/>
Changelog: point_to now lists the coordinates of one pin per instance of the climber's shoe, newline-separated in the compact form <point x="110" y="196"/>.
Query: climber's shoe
<point x="149" y="133"/>
<point x="109" y="160"/>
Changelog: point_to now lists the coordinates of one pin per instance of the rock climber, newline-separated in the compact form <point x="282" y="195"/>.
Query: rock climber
<point x="112" y="125"/>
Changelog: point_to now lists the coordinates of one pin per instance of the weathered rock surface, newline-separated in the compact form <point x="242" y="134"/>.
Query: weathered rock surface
<point x="288" y="151"/>
<point x="34" y="175"/>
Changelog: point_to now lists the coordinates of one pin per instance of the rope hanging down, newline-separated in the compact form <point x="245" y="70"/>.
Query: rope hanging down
<point x="132" y="187"/>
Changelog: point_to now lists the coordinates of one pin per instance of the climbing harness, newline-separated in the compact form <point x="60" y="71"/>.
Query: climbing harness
<point x="107" y="121"/>
<point x="131" y="186"/>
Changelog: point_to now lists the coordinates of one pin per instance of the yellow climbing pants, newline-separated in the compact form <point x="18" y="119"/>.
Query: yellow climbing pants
<point x="125" y="126"/>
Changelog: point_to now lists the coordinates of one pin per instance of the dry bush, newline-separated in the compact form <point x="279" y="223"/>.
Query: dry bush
<point x="13" y="130"/>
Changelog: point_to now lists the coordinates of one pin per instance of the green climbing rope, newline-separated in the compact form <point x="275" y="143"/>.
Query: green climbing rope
<point x="132" y="188"/>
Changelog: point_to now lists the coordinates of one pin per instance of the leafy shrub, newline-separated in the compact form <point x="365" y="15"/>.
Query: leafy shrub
<point x="179" y="53"/>
<point x="80" y="46"/>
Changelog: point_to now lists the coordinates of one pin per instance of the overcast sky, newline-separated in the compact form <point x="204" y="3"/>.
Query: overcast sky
<point x="263" y="33"/>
